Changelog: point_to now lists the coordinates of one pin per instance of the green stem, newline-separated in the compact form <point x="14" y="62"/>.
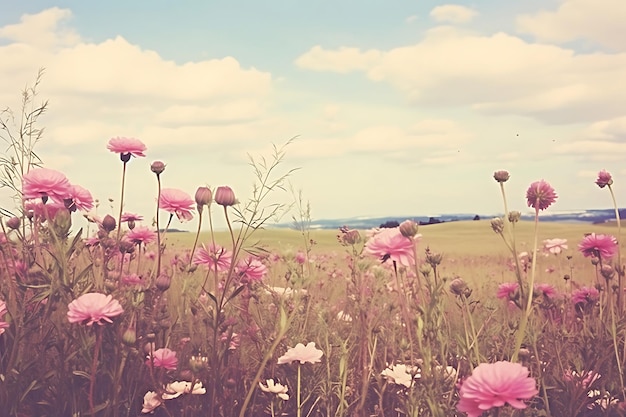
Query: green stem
<point x="620" y="271"/>
<point x="119" y="217"/>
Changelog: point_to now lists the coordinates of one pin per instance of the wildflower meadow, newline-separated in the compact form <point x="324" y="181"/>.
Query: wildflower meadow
<point x="121" y="318"/>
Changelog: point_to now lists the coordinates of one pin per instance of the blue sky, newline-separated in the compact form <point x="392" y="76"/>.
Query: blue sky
<point x="400" y="107"/>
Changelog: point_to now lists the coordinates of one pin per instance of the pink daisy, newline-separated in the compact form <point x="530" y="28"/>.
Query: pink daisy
<point x="251" y="269"/>
<point x="604" y="179"/>
<point x="586" y="295"/>
<point x="79" y="198"/>
<point x="507" y="290"/>
<point x="390" y="244"/>
<point x="540" y="195"/>
<point x="303" y="354"/>
<point x="127" y="146"/>
<point x="43" y="183"/>
<point x="163" y="358"/>
<point x="92" y="308"/>
<point x="494" y="385"/>
<point x="177" y="202"/>
<point x="547" y="290"/>
<point x="127" y="217"/>
<point x="211" y="255"/>
<point x="141" y="235"/>
<point x="601" y="246"/>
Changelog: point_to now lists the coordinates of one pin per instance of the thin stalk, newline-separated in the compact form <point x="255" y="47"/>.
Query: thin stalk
<point x="620" y="271"/>
<point x="119" y="217"/>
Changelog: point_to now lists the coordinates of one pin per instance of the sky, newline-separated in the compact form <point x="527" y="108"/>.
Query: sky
<point x="398" y="108"/>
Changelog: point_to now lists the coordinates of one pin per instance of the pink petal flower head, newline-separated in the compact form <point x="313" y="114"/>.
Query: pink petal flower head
<point x="163" y="358"/>
<point x="554" y="246"/>
<point x="141" y="235"/>
<point x="547" y="290"/>
<point x="251" y="269"/>
<point x="304" y="354"/>
<point x="585" y="295"/>
<point x="507" y="290"/>
<point x="212" y="255"/>
<point x="604" y="179"/>
<point x="540" y="195"/>
<point x="126" y="147"/>
<point x="93" y="308"/>
<point x="43" y="183"/>
<point x="41" y="210"/>
<point x="225" y="196"/>
<point x="79" y="198"/>
<point x="600" y="246"/>
<point x="494" y="385"/>
<point x="177" y="202"/>
<point x="127" y="217"/>
<point x="390" y="244"/>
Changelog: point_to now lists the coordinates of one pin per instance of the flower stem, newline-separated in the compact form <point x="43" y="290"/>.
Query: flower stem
<point x="94" y="367"/>
<point x="119" y="217"/>
<point x="620" y="270"/>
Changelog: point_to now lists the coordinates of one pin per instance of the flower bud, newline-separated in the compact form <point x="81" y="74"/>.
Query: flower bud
<point x="126" y="246"/>
<point x="157" y="167"/>
<point x="204" y="197"/>
<point x="459" y="287"/>
<point x="62" y="222"/>
<point x="225" y="196"/>
<point x="109" y="223"/>
<point x="131" y="224"/>
<point x="501" y="176"/>
<point x="198" y="363"/>
<point x="497" y="225"/>
<point x="514" y="216"/>
<point x="163" y="282"/>
<point x="607" y="271"/>
<point x="13" y="223"/>
<point x="408" y="228"/>
<point x="130" y="336"/>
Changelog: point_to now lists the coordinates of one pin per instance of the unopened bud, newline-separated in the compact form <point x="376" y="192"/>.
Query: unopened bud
<point x="514" y="216"/>
<point x="204" y="197"/>
<point x="13" y="223"/>
<point x="501" y="176"/>
<point x="157" y="167"/>
<point x="408" y="228"/>
<point x="458" y="286"/>
<point x="607" y="271"/>
<point x="130" y="336"/>
<point x="225" y="196"/>
<point x="163" y="282"/>
<point x="497" y="225"/>
<point x="109" y="223"/>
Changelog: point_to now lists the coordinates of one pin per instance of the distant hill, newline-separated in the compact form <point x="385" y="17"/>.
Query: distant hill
<point x="593" y="216"/>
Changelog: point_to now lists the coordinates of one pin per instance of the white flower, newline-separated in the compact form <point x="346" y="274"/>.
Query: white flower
<point x="275" y="388"/>
<point x="304" y="354"/>
<point x="150" y="401"/>
<point x="344" y="316"/>
<point x="399" y="375"/>
<point x="178" y="388"/>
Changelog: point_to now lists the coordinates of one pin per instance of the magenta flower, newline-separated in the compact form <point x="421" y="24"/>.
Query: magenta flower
<point x="540" y="195"/>
<point x="494" y="385"/>
<point x="163" y="358"/>
<point x="79" y="198"/>
<point x="141" y="235"/>
<point x="554" y="246"/>
<point x="43" y="183"/>
<point x="547" y="290"/>
<point x="131" y="217"/>
<point x="585" y="295"/>
<point x="251" y="269"/>
<point x="303" y="354"/>
<point x="390" y="244"/>
<point x="41" y="210"/>
<point x="126" y="147"/>
<point x="507" y="290"/>
<point x="93" y="308"/>
<point x="600" y="246"/>
<point x="177" y="202"/>
<point x="604" y="179"/>
<point x="212" y="255"/>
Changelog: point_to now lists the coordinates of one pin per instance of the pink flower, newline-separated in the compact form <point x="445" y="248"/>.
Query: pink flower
<point x="304" y="354"/>
<point x="251" y="269"/>
<point x="214" y="254"/>
<point x="79" y="198"/>
<point x="604" y="179"/>
<point x="547" y="290"/>
<point x="141" y="235"/>
<point x="177" y="202"/>
<point x="132" y="279"/>
<point x="41" y="210"/>
<point x="126" y="147"/>
<point x="507" y="290"/>
<point x="494" y="385"/>
<point x="601" y="246"/>
<point x="586" y="295"/>
<point x="390" y="244"/>
<point x="554" y="246"/>
<point x="44" y="182"/>
<point x="92" y="308"/>
<point x="163" y="358"/>
<point x="300" y="258"/>
<point x="225" y="196"/>
<point x="127" y="217"/>
<point x="540" y="195"/>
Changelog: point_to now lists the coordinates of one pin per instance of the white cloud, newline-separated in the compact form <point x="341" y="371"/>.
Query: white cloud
<point x="452" y="13"/>
<point x="44" y="30"/>
<point x="598" y="21"/>
<point x="343" y="60"/>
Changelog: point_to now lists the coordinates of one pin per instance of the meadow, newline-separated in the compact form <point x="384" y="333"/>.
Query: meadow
<point x="497" y="317"/>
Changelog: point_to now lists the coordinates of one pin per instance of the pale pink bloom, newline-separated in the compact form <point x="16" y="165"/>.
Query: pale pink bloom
<point x="540" y="195"/>
<point x="251" y="269"/>
<point x="586" y="295"/>
<point x="93" y="308"/>
<point x="141" y="235"/>
<point x="398" y="374"/>
<point x="275" y="388"/>
<point x="131" y="279"/>
<point x="390" y="244"/>
<point x="300" y="257"/>
<point x="127" y="217"/>
<point x="150" y="402"/>
<point x="178" y="388"/>
<point x="177" y="202"/>
<point x="163" y="358"/>
<point x="43" y="182"/>
<point x="554" y="246"/>
<point x="212" y="255"/>
<point x="494" y="385"/>
<point x="79" y="198"/>
<point x="131" y="146"/>
<point x="601" y="246"/>
<point x="604" y="179"/>
<point x="304" y="354"/>
<point x="507" y="290"/>
<point x="547" y="290"/>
